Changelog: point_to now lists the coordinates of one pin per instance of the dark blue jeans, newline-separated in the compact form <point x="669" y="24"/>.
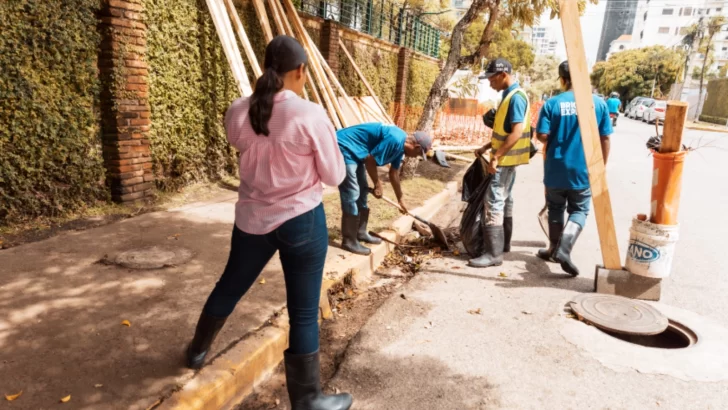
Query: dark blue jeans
<point x="302" y="243"/>
<point x="354" y="189"/>
<point x="574" y="201"/>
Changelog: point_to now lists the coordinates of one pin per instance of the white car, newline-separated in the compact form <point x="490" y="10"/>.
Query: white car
<point x="655" y="112"/>
<point x="639" y="110"/>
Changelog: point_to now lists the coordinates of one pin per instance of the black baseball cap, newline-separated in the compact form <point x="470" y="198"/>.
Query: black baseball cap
<point x="283" y="54"/>
<point x="497" y="66"/>
<point x="564" y="70"/>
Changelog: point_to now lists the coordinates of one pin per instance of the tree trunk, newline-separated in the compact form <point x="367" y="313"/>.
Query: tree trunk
<point x="699" y="108"/>
<point x="438" y="92"/>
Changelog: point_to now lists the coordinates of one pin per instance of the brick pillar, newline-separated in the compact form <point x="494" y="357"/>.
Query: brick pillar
<point x="330" y="44"/>
<point x="124" y="100"/>
<point x="400" y="92"/>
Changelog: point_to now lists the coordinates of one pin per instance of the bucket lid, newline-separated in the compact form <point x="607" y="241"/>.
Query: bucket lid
<point x="619" y="314"/>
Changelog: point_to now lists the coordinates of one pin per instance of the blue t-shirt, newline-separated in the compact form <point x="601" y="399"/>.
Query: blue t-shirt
<point x="384" y="142"/>
<point x="613" y="104"/>
<point x="517" y="110"/>
<point x="565" y="166"/>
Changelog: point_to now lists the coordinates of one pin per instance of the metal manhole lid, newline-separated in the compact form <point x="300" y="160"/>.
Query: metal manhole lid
<point x="153" y="257"/>
<point x="619" y="314"/>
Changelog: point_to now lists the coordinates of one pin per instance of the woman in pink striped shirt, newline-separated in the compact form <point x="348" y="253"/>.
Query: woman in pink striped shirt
<point x="287" y="149"/>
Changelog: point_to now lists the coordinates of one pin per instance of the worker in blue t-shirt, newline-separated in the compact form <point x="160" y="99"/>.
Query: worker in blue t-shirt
<point x="566" y="175"/>
<point x="366" y="147"/>
<point x="509" y="147"/>
<point x="614" y="105"/>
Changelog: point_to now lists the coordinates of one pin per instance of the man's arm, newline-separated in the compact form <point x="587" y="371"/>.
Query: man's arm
<point x="543" y="138"/>
<point x="482" y="150"/>
<point x="397" y="186"/>
<point x="371" y="165"/>
<point x="606" y="144"/>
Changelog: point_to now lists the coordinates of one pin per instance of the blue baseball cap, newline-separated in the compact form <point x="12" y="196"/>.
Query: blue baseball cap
<point x="425" y="141"/>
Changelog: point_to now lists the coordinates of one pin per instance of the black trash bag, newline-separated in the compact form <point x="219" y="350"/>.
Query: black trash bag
<point x="475" y="182"/>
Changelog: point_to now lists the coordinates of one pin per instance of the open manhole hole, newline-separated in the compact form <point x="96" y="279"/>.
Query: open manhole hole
<point x="632" y="321"/>
<point x="675" y="336"/>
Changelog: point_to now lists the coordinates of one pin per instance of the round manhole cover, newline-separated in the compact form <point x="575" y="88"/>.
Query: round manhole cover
<point x="620" y="315"/>
<point x="153" y="257"/>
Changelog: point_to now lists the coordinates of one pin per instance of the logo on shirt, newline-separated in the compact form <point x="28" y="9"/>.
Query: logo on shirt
<point x="568" y="108"/>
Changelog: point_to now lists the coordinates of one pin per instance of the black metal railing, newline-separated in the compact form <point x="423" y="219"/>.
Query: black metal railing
<point x="382" y="19"/>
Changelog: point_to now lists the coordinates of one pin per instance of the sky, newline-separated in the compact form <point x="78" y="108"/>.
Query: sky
<point x="591" y="27"/>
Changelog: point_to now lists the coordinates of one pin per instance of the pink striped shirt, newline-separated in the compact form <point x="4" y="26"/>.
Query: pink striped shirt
<point x="281" y="174"/>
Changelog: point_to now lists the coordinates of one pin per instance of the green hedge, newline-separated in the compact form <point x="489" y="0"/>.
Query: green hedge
<point x="422" y="73"/>
<point x="715" y="109"/>
<point x="378" y="66"/>
<point x="50" y="157"/>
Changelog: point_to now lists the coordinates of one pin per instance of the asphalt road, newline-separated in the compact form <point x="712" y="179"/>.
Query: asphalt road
<point x="427" y="351"/>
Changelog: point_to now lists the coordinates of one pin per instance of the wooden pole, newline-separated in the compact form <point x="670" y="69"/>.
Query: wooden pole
<point x="336" y="82"/>
<point x="328" y="95"/>
<point x="672" y="130"/>
<point x="590" y="133"/>
<point x="364" y="80"/>
<point x="244" y="38"/>
<point x="263" y="19"/>
<point x="230" y="46"/>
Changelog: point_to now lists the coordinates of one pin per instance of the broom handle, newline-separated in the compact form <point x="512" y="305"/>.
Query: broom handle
<point x="389" y="201"/>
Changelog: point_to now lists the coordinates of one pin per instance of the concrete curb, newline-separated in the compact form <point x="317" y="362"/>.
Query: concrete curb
<point x="235" y="374"/>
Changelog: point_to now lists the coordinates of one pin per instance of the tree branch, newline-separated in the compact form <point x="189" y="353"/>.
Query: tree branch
<point x="486" y="38"/>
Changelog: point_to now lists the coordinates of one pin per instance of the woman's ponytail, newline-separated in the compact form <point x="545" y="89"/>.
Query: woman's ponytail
<point x="261" y="102"/>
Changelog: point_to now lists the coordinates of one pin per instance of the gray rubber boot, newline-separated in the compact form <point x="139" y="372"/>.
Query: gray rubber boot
<point x="303" y="380"/>
<point x="349" y="229"/>
<point x="363" y="234"/>
<point x="554" y="236"/>
<point x="507" y="233"/>
<point x="493" y="256"/>
<point x="562" y="254"/>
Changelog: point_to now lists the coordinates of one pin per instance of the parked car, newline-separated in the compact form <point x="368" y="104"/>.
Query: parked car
<point x="632" y="104"/>
<point x="655" y="112"/>
<point x="638" y="112"/>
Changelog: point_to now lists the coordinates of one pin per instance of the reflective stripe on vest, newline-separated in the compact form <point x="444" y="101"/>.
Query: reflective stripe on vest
<point x="520" y="152"/>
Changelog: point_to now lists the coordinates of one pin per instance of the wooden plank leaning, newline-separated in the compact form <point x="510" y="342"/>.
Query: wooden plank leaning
<point x="224" y="30"/>
<point x="364" y="80"/>
<point x="252" y="59"/>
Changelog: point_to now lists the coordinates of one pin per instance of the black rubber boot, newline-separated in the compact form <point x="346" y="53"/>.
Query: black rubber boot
<point x="303" y="379"/>
<point x="349" y="229"/>
<point x="493" y="256"/>
<point x="507" y="233"/>
<point x="562" y="254"/>
<point x="554" y="236"/>
<point x="363" y="234"/>
<point x="207" y="329"/>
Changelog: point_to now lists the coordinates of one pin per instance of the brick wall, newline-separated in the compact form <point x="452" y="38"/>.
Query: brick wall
<point x="124" y="100"/>
<point x="329" y="44"/>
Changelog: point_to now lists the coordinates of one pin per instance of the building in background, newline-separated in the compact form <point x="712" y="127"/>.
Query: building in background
<point x="624" y="42"/>
<point x="460" y="7"/>
<point x="543" y="40"/>
<point x="619" y="19"/>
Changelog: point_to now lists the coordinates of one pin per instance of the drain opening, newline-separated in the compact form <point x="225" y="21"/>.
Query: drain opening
<point x="676" y="336"/>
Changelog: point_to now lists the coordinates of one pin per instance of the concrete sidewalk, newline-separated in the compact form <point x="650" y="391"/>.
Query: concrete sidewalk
<point x="62" y="305"/>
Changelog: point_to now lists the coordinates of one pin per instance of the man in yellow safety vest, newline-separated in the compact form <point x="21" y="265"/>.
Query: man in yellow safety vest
<point x="510" y="147"/>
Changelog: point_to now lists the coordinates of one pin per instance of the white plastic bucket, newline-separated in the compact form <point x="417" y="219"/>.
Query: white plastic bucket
<point x="651" y="249"/>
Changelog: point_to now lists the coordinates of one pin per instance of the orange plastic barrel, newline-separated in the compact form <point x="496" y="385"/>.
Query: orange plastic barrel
<point x="666" y="186"/>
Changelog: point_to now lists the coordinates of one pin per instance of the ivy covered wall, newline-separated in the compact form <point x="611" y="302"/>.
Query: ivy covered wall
<point x="422" y="73"/>
<point x="50" y="146"/>
<point x="378" y="66"/>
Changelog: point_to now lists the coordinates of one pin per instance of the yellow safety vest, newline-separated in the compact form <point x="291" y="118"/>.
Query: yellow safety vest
<point x="519" y="153"/>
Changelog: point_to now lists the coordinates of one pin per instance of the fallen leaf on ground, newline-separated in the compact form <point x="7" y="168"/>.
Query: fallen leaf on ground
<point x="571" y="316"/>
<point x="262" y="281"/>
<point x="349" y="292"/>
<point x="503" y="275"/>
<point x="126" y="323"/>
<point x="456" y="253"/>
<point x="66" y="399"/>
<point x="526" y="312"/>
<point x="98" y="385"/>
<point x="422" y="341"/>
<point x="11" y="397"/>
<point x="456" y="267"/>
<point x="474" y="311"/>
<point x="430" y="326"/>
<point x="403" y="296"/>
<point x="175" y="236"/>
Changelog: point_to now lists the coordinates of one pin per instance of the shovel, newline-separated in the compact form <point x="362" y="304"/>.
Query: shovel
<point x="436" y="231"/>
<point x="543" y="219"/>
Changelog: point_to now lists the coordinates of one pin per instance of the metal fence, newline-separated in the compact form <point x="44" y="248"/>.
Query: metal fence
<point x="381" y="19"/>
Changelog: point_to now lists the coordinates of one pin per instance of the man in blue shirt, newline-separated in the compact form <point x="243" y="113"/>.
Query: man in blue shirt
<point x="366" y="147"/>
<point x="614" y="105"/>
<point x="566" y="175"/>
<point x="509" y="147"/>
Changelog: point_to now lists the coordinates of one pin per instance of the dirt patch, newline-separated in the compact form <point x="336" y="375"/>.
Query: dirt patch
<point x="352" y="307"/>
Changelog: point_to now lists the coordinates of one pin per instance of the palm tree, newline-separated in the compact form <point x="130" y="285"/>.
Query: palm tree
<point x="692" y="35"/>
<point x="714" y="26"/>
